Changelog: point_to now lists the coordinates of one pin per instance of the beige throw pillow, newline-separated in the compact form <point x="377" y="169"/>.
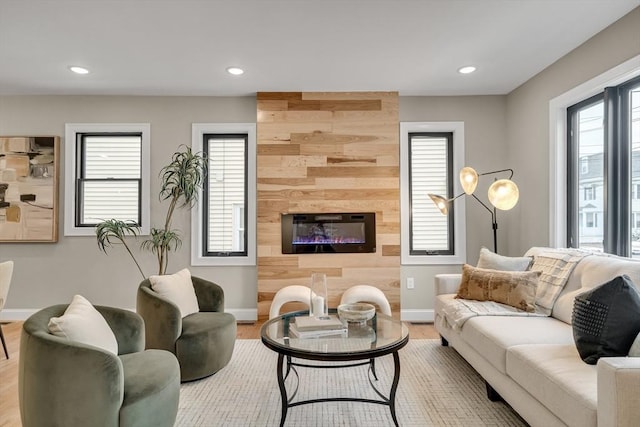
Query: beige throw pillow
<point x="493" y="261"/>
<point x="81" y="322"/>
<point x="178" y="289"/>
<point x="514" y="288"/>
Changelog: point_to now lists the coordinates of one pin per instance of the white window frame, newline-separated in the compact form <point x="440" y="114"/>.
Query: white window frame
<point x="459" y="225"/>
<point x="198" y="130"/>
<point x="71" y="131"/>
<point x="557" y="142"/>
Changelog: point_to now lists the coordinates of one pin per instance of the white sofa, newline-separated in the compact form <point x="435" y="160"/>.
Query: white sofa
<point x="533" y="363"/>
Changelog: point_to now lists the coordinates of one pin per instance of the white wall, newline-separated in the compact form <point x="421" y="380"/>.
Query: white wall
<point x="46" y="274"/>
<point x="528" y="123"/>
<point x="484" y="120"/>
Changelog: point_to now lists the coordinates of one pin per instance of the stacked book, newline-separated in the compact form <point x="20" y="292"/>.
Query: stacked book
<point x="313" y="327"/>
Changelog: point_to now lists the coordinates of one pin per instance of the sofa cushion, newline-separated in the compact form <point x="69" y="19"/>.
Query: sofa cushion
<point x="178" y="289"/>
<point x="492" y="336"/>
<point x="606" y="320"/>
<point x="592" y="272"/>
<point x="82" y="323"/>
<point x="493" y="261"/>
<point x="514" y="288"/>
<point x="557" y="378"/>
<point x="634" y="351"/>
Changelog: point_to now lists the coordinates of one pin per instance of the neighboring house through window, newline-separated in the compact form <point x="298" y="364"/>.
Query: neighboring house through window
<point x="603" y="133"/>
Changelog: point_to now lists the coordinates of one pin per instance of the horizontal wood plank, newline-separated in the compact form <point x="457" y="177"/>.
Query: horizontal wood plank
<point x="390" y="250"/>
<point x="360" y="172"/>
<point x="336" y="105"/>
<point x="277" y="150"/>
<point x="277" y="96"/>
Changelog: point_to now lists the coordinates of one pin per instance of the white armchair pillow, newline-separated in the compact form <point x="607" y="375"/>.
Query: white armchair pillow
<point x="81" y="322"/>
<point x="178" y="289"/>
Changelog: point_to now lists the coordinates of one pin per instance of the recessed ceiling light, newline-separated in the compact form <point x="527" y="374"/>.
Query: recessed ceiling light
<point x="235" y="71"/>
<point x="79" y="70"/>
<point x="467" y="70"/>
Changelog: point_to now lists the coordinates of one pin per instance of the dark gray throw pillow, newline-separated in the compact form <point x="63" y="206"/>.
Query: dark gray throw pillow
<point x="606" y="320"/>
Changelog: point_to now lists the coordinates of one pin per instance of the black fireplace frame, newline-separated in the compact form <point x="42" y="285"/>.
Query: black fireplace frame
<point x="366" y="218"/>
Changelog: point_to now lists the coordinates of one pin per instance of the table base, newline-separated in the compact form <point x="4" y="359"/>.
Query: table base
<point x="283" y="374"/>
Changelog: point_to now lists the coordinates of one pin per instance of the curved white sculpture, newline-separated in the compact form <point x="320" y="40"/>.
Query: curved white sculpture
<point x="293" y="293"/>
<point x="367" y="293"/>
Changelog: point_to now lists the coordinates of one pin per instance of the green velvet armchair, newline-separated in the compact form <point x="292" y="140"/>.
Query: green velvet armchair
<point x="203" y="342"/>
<point x="66" y="383"/>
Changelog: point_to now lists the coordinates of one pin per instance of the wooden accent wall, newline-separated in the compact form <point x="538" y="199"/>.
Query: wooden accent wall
<point x="328" y="152"/>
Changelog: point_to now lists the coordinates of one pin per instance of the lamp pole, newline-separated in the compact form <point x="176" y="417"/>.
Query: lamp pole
<point x="494" y="223"/>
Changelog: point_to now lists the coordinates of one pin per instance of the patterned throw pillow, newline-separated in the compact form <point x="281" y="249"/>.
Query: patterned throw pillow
<point x="514" y="288"/>
<point x="606" y="320"/>
<point x="493" y="261"/>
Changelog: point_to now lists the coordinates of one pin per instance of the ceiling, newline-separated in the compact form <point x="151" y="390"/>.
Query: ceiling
<point x="173" y="47"/>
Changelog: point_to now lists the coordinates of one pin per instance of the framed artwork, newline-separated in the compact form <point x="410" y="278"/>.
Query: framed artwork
<point x="29" y="169"/>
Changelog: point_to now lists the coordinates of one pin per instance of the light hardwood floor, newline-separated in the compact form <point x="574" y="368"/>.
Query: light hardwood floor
<point x="9" y="409"/>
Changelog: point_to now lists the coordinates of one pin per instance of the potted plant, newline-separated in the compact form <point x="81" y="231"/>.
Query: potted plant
<point x="181" y="181"/>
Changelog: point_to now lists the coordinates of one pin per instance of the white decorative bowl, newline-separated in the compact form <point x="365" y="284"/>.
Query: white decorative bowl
<point x="356" y="312"/>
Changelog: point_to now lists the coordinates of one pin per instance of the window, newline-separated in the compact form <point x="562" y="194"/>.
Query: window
<point x="584" y="165"/>
<point x="431" y="155"/>
<point x="225" y="193"/>
<point x="589" y="192"/>
<point x="107" y="176"/>
<point x="431" y="232"/>
<point x="223" y="225"/>
<point x="605" y="130"/>
<point x="635" y="190"/>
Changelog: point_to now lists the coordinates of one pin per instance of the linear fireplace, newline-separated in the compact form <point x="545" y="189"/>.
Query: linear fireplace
<point x="307" y="233"/>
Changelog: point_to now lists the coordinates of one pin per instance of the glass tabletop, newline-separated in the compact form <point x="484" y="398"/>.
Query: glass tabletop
<point x="378" y="336"/>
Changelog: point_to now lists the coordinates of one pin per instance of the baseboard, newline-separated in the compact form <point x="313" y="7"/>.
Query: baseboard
<point x="22" y="314"/>
<point x="16" y="314"/>
<point x="418" y="316"/>
<point x="244" y="315"/>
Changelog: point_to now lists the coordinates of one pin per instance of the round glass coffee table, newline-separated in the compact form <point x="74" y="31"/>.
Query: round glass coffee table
<point x="360" y="344"/>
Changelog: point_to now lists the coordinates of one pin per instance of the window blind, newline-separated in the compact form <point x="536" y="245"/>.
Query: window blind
<point x="226" y="196"/>
<point x="429" y="160"/>
<point x="110" y="177"/>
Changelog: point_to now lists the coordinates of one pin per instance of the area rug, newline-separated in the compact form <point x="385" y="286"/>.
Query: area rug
<point x="437" y="388"/>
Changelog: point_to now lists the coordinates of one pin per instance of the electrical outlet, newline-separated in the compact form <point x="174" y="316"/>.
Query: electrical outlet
<point x="410" y="283"/>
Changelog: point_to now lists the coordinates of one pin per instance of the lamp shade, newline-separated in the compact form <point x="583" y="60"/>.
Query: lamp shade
<point x="441" y="203"/>
<point x="503" y="194"/>
<point x="468" y="179"/>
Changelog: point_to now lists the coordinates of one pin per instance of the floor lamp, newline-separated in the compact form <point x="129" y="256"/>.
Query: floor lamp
<point x="503" y="194"/>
